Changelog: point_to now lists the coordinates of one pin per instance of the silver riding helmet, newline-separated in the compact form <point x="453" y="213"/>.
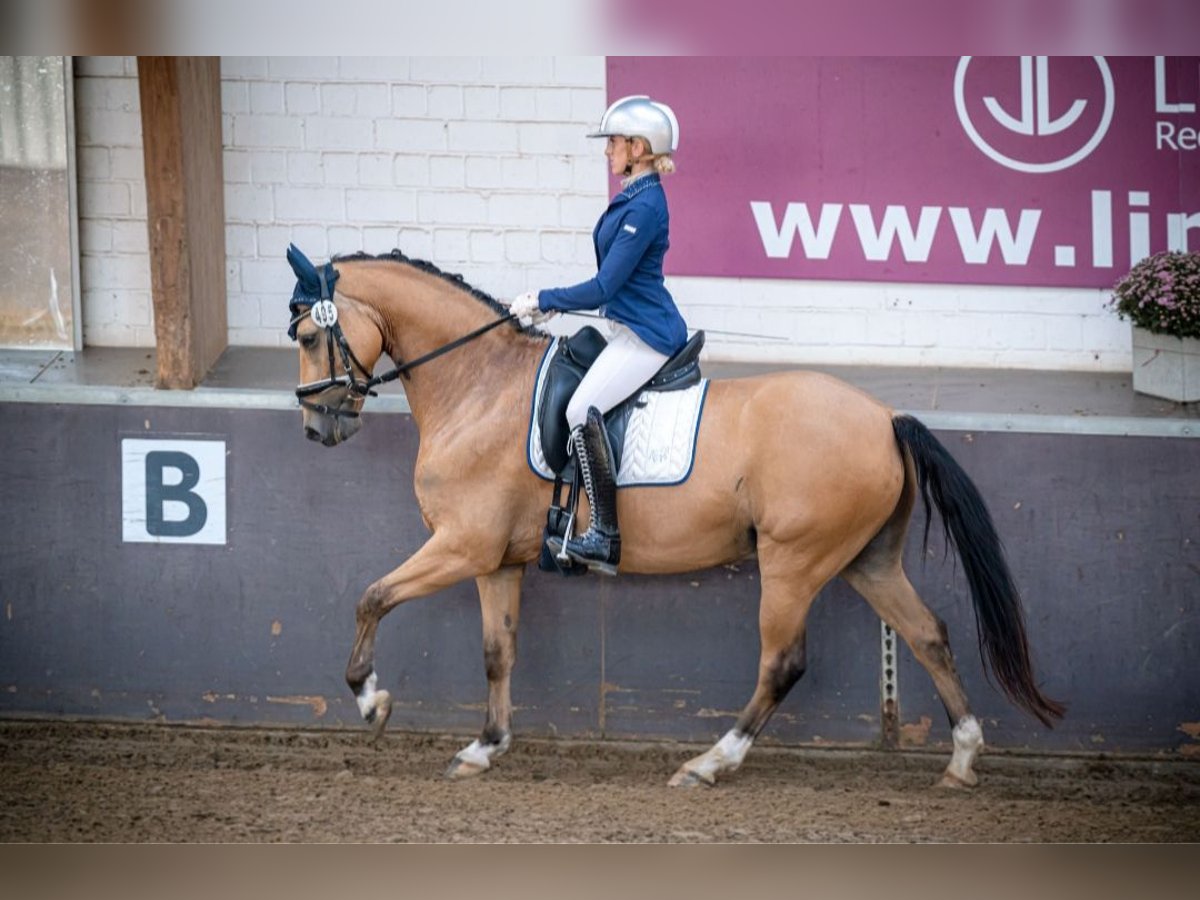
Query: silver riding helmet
<point x="639" y="116"/>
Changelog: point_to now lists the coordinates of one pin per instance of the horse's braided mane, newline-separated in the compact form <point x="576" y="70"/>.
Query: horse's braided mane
<point x="453" y="278"/>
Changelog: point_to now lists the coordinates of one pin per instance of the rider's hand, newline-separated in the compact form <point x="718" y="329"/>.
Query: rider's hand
<point x="525" y="306"/>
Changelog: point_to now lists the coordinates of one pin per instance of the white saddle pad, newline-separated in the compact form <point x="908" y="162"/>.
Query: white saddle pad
<point x="660" y="440"/>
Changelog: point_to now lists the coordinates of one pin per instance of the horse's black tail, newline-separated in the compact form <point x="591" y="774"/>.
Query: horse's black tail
<point x="969" y="529"/>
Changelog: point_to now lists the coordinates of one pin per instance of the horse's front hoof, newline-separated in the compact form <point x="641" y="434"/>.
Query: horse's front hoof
<point x="686" y="778"/>
<point x="377" y="717"/>
<point x="954" y="782"/>
<point x="461" y="768"/>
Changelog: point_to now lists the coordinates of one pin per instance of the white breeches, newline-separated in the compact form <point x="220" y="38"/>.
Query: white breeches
<point x="624" y="366"/>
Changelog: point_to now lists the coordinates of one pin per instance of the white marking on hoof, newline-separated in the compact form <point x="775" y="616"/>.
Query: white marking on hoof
<point x="968" y="741"/>
<point x="475" y="753"/>
<point x="731" y="750"/>
<point x="368" y="697"/>
<point x="476" y="758"/>
<point x="724" y="756"/>
<point x="374" y="706"/>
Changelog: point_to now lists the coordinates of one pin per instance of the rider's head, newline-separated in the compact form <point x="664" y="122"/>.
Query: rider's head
<point x="641" y="132"/>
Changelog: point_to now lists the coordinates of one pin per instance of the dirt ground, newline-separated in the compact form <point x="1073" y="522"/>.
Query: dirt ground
<point x="63" y="781"/>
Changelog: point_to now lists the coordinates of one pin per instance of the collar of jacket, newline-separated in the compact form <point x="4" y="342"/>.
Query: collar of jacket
<point x="646" y="181"/>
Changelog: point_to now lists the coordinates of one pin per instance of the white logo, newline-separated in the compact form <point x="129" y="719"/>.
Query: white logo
<point x="631" y="229"/>
<point x="324" y="313"/>
<point x="1034" y="118"/>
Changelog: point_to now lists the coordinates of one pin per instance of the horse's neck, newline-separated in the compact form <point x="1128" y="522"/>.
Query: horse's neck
<point x="425" y="314"/>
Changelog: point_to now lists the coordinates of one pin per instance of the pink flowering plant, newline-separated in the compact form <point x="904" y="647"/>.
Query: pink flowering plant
<point x="1162" y="294"/>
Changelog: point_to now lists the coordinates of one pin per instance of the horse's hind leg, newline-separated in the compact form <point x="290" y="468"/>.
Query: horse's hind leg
<point x="500" y="602"/>
<point x="782" y="614"/>
<point x="885" y="586"/>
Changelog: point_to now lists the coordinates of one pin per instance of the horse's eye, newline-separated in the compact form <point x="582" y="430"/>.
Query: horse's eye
<point x="308" y="341"/>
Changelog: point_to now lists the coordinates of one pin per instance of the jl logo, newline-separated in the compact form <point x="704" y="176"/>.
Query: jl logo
<point x="1033" y="118"/>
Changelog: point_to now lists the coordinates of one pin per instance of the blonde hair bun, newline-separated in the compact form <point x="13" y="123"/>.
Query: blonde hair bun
<point x="664" y="165"/>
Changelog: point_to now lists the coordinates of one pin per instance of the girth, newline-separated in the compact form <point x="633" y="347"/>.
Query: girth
<point x="565" y="371"/>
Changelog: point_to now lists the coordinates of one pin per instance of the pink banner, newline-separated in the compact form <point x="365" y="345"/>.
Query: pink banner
<point x="978" y="170"/>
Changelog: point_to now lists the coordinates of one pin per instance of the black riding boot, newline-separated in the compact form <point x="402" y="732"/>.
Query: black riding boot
<point x="598" y="548"/>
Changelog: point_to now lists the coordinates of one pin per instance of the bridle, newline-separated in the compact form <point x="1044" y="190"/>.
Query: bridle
<point x="324" y="313"/>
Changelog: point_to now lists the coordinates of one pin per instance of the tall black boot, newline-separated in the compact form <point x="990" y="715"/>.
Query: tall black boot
<point x="598" y="548"/>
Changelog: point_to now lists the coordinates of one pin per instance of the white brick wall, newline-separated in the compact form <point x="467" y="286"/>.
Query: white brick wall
<point x="114" y="256"/>
<point x="481" y="165"/>
<point x="347" y="154"/>
<point x="831" y="322"/>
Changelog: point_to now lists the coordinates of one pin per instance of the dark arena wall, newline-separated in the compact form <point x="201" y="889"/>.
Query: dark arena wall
<point x="1102" y="533"/>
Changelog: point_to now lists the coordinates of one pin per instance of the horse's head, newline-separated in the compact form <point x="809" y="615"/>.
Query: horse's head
<point x="339" y="344"/>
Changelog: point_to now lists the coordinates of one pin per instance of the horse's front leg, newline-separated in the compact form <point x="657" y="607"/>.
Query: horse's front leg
<point x="500" y="603"/>
<point x="443" y="560"/>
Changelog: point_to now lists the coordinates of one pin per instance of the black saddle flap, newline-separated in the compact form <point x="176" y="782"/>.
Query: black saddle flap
<point x="567" y="368"/>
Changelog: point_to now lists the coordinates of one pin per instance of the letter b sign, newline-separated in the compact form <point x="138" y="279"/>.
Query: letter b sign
<point x="173" y="491"/>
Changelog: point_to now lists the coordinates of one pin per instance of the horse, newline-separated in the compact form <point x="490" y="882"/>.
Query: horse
<point x="811" y="476"/>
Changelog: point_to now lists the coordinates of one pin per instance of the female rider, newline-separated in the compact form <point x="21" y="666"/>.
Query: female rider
<point x="631" y="240"/>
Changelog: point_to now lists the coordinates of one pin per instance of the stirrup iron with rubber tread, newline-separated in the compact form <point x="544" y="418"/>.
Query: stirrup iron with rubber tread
<point x="598" y="548"/>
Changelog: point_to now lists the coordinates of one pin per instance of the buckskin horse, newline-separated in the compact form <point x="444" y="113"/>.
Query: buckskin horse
<point x="808" y="474"/>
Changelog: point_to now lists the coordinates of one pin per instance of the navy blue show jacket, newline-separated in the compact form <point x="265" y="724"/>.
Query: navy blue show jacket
<point x="630" y="240"/>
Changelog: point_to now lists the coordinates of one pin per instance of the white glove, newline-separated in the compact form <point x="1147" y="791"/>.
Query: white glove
<point x="525" y="306"/>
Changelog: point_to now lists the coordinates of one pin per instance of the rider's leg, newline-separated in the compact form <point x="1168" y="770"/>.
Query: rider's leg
<point x="624" y="366"/>
<point x="599" y="548"/>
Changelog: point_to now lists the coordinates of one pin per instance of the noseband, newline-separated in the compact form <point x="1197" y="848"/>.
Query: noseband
<point x="325" y="314"/>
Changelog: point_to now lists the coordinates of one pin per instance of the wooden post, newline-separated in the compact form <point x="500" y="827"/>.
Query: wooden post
<point x="185" y="213"/>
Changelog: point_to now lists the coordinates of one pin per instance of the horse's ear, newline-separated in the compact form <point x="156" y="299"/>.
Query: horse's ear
<point x="306" y="272"/>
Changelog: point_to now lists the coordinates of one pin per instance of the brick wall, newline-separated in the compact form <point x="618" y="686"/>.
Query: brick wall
<point x="481" y="165"/>
<point x="114" y="257"/>
<point x="876" y="323"/>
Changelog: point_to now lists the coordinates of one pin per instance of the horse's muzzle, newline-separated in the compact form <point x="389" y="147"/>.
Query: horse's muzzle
<point x="330" y="430"/>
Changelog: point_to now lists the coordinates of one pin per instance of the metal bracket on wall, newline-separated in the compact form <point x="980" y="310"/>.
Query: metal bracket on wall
<point x="889" y="688"/>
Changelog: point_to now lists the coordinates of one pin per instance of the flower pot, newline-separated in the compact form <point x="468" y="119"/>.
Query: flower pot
<point x="1165" y="366"/>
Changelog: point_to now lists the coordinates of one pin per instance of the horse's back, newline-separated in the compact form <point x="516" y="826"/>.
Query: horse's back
<point x="801" y="406"/>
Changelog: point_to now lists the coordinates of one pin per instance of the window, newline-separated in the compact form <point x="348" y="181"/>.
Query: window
<point x="39" y="290"/>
